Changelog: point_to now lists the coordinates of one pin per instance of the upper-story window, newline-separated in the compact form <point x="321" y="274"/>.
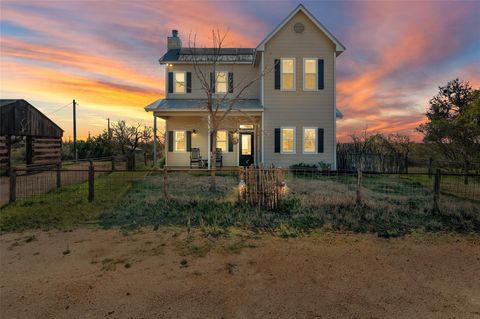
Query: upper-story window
<point x="287" y="68"/>
<point x="179" y="85"/>
<point x="222" y="82"/>
<point x="310" y="74"/>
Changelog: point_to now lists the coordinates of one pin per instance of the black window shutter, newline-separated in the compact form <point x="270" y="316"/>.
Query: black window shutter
<point x="170" y="82"/>
<point x="189" y="141"/>
<point x="212" y="82"/>
<point x="230" y="82"/>
<point x="230" y="142"/>
<point x="189" y="82"/>
<point x="277" y="140"/>
<point x="170" y="141"/>
<point x="320" y="137"/>
<point x="320" y="74"/>
<point x="277" y="74"/>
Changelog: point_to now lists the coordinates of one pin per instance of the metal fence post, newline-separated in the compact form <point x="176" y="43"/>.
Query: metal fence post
<point x="165" y="183"/>
<point x="91" y="182"/>
<point x="13" y="185"/>
<point x="59" y="175"/>
<point x="113" y="163"/>
<point x="436" y="190"/>
<point x="359" y="187"/>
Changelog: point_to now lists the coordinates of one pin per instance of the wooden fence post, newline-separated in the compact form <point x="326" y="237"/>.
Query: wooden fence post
<point x="145" y="158"/>
<point x="359" y="187"/>
<point x="165" y="183"/>
<point x="59" y="175"/>
<point x="113" y="163"/>
<point x="436" y="190"/>
<point x="13" y="185"/>
<point x="430" y="162"/>
<point x="465" y="176"/>
<point x="91" y="182"/>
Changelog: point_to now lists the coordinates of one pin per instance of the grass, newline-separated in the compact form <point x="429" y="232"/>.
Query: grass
<point x="68" y="206"/>
<point x="391" y="206"/>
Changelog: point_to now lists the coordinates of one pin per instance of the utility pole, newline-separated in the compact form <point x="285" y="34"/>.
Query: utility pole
<point x="109" y="132"/>
<point x="75" y="130"/>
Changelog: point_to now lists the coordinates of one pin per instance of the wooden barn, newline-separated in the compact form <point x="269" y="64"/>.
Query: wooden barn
<point x="43" y="138"/>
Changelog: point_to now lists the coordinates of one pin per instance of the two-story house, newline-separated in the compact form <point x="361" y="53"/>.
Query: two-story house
<point x="288" y="116"/>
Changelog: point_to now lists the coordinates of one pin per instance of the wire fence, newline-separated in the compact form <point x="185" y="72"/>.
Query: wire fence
<point x="311" y="186"/>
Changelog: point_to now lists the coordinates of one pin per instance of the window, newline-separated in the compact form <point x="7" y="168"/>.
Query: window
<point x="309" y="140"/>
<point x="246" y="126"/>
<point x="222" y="138"/>
<point x="179" y="86"/>
<point x="310" y="74"/>
<point x="179" y="141"/>
<point x="288" y="74"/>
<point x="222" y="82"/>
<point x="288" y="140"/>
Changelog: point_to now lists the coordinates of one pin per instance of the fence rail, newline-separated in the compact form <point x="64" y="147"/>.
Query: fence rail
<point x="256" y="186"/>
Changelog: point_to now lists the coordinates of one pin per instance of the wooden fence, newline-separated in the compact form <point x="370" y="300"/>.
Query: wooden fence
<point x="261" y="186"/>
<point x="377" y="163"/>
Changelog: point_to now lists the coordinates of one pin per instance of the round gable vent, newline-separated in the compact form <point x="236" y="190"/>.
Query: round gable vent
<point x="298" y="27"/>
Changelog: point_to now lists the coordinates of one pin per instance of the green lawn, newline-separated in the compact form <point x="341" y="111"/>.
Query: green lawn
<point x="68" y="206"/>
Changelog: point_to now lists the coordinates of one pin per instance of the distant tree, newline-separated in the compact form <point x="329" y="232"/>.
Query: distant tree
<point x="453" y="124"/>
<point x="129" y="137"/>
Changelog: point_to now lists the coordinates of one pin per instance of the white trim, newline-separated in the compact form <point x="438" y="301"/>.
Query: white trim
<point x="334" y="166"/>
<point x="209" y="137"/>
<point x="166" y="143"/>
<point x="316" y="139"/>
<point x="175" y="141"/>
<point x="294" y="74"/>
<point x="339" y="47"/>
<point x="294" y="140"/>
<point x="175" y="81"/>
<point x="262" y="129"/>
<point x="315" y="88"/>
<point x="155" y="140"/>
<point x="262" y="70"/>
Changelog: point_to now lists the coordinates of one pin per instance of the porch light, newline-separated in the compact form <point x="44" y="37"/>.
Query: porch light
<point x="235" y="138"/>
<point x="194" y="131"/>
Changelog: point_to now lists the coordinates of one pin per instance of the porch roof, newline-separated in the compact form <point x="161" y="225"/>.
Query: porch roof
<point x="200" y="105"/>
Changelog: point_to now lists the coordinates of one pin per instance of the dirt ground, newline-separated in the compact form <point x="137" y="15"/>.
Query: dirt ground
<point x="166" y="273"/>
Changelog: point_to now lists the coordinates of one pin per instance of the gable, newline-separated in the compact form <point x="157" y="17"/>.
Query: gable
<point x="301" y="13"/>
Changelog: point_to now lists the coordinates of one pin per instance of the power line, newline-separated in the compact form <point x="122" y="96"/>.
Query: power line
<point x="61" y="107"/>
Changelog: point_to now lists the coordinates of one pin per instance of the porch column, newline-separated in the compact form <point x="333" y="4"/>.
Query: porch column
<point x="154" y="140"/>
<point x="209" y="143"/>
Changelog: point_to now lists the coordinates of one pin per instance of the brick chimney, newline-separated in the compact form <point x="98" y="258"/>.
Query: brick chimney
<point x="174" y="41"/>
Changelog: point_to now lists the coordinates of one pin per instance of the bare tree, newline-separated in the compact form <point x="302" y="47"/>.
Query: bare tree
<point x="219" y="105"/>
<point x="128" y="138"/>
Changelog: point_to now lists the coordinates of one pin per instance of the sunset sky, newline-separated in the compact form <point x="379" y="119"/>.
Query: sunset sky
<point x="105" y="54"/>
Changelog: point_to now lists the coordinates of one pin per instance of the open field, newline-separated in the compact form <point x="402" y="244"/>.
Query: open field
<point x="173" y="273"/>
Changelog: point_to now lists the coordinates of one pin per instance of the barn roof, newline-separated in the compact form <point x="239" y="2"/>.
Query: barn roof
<point x="20" y="118"/>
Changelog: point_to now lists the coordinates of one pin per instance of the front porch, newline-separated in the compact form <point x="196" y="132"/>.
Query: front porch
<point x="239" y="139"/>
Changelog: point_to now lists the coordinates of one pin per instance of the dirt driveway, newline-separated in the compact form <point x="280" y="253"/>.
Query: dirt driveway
<point x="93" y="273"/>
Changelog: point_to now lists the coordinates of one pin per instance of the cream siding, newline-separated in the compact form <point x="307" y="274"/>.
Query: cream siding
<point x="299" y="108"/>
<point x="200" y="139"/>
<point x="242" y="73"/>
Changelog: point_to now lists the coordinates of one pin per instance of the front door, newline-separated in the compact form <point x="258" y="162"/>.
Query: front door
<point x="246" y="149"/>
